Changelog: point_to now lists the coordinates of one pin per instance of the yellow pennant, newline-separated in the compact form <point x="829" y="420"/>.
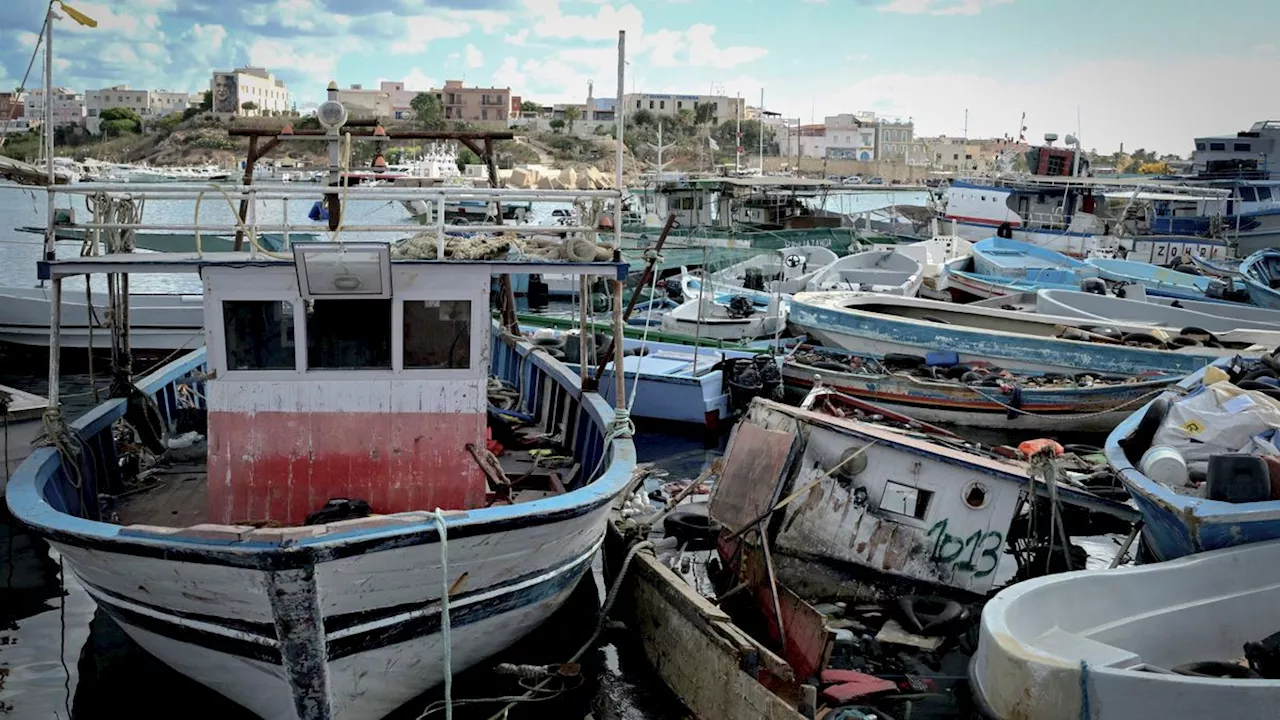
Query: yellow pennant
<point x="78" y="16"/>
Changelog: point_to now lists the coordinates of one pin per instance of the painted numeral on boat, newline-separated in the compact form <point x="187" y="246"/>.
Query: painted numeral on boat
<point x="948" y="549"/>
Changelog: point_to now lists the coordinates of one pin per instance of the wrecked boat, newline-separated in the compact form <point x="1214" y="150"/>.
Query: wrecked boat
<point x="939" y="389"/>
<point x="1188" y="638"/>
<point x="1201" y="460"/>
<point x="872" y="324"/>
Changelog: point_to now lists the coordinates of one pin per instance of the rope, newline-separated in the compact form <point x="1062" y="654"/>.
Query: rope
<point x="644" y="339"/>
<point x="1086" y="712"/>
<point x="446" y="628"/>
<point x="22" y="86"/>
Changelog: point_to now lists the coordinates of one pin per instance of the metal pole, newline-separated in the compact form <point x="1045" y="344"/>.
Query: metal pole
<point x="619" y="377"/>
<point x="49" y="248"/>
<point x="55" y="340"/>
<point x="760" y="120"/>
<point x="584" y="285"/>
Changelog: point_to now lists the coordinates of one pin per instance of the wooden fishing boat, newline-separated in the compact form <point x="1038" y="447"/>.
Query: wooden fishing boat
<point x="1221" y="268"/>
<point x="1159" y="280"/>
<point x="665" y="381"/>
<point x="240" y="572"/>
<point x="1159" y="641"/>
<point x="1172" y="313"/>
<point x="785" y="271"/>
<point x="737" y="318"/>
<point x="870" y="324"/>
<point x="1180" y="519"/>
<point x="1001" y="401"/>
<point x="1260" y="273"/>
<point x="20" y="426"/>
<point x="882" y="271"/>
<point x="1002" y="257"/>
<point x="964" y="284"/>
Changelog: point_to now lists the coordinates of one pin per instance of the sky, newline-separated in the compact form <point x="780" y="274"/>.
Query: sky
<point x="1150" y="74"/>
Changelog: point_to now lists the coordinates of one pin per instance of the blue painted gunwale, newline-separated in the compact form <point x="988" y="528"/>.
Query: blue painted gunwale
<point x="1011" y="285"/>
<point x="1254" y="275"/>
<point x="1177" y="525"/>
<point x="513" y="360"/>
<point x="1006" y="348"/>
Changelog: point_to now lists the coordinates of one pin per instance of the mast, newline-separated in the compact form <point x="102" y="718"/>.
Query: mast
<point x="48" y="139"/>
<point x="737" y="155"/>
<point x="760" y="120"/>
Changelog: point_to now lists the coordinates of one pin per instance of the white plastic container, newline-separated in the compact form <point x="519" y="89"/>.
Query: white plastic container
<point x="1165" y="465"/>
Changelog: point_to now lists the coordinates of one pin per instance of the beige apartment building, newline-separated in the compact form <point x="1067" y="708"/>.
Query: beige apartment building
<point x="389" y="100"/>
<point x="148" y="104"/>
<point x="233" y="89"/>
<point x="474" y="104"/>
<point x="68" y="107"/>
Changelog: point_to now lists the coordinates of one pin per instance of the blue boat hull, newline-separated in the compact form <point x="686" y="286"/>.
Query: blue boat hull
<point x="1176" y="525"/>
<point x="1257" y="271"/>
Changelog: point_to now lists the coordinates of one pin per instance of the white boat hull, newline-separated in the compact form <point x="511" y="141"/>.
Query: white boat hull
<point x="1103" y="644"/>
<point x="156" y="322"/>
<point x="376" y="615"/>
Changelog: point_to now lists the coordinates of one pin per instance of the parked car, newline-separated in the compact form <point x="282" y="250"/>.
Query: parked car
<point x="876" y="181"/>
<point x="853" y="180"/>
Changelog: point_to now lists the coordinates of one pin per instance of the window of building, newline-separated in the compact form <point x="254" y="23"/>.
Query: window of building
<point x="484" y="113"/>
<point x="259" y="334"/>
<point x="1241" y="147"/>
<point x="662" y="104"/>
<point x="679" y="104"/>
<point x="1219" y="147"/>
<point x="955" y="156"/>
<point x="437" y="334"/>
<point x="348" y="334"/>
<point x="650" y="104"/>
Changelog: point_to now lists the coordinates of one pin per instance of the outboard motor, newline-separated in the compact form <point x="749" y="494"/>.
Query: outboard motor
<point x="1093" y="285"/>
<point x="740" y="306"/>
<point x="770" y="376"/>
<point x="1216" y="290"/>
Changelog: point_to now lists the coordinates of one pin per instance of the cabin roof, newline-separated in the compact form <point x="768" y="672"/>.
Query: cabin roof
<point x="167" y="263"/>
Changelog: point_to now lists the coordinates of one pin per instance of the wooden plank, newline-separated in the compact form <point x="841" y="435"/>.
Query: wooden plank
<point x="754" y="462"/>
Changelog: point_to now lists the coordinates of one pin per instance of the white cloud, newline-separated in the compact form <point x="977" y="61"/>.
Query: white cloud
<point x="604" y="25"/>
<point x="518" y="38"/>
<point x="703" y="50"/>
<point x="417" y="80"/>
<point x="319" y="67"/>
<point x="418" y="31"/>
<point x="490" y="21"/>
<point x="474" y="57"/>
<point x="941" y="7"/>
<point x="1111" y="112"/>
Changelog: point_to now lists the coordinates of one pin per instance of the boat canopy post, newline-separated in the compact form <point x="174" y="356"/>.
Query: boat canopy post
<point x="49" y="233"/>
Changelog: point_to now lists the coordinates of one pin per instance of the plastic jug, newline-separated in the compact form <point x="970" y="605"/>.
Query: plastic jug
<point x="1238" y="478"/>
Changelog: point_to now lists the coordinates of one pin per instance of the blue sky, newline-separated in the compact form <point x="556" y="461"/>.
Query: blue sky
<point x="1148" y="73"/>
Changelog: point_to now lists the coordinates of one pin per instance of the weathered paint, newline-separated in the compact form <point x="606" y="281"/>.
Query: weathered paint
<point x="283" y="465"/>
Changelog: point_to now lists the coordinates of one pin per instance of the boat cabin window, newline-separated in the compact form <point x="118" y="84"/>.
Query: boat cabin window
<point x="1264" y="193"/>
<point x="348" y="334"/>
<point x="905" y="500"/>
<point x="1241" y="147"/>
<point x="437" y="334"/>
<point x="259" y="334"/>
<point x="1247" y="194"/>
<point x="1218" y="146"/>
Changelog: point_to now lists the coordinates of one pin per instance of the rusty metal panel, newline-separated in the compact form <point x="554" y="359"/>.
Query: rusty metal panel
<point x="754" y="463"/>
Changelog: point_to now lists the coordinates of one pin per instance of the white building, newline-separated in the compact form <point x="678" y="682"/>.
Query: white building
<point x="17" y="126"/>
<point x="726" y="108"/>
<point x="389" y="100"/>
<point x="248" y="91"/>
<point x="68" y="107"/>
<point x="849" y="137"/>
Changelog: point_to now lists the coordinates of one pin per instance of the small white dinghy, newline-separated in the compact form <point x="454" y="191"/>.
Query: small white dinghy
<point x="737" y="319"/>
<point x="786" y="270"/>
<point x="1120" y="644"/>
<point x="881" y="271"/>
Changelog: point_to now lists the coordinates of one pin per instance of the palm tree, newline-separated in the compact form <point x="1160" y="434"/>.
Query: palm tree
<point x="572" y="113"/>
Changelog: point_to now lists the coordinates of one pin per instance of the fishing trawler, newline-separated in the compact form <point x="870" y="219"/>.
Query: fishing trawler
<point x="344" y="520"/>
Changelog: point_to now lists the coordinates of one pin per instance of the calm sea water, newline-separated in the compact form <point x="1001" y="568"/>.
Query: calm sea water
<point x="61" y="658"/>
